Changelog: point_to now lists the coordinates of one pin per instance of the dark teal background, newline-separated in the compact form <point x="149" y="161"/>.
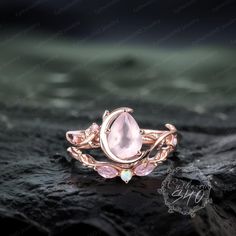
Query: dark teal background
<point x="54" y="71"/>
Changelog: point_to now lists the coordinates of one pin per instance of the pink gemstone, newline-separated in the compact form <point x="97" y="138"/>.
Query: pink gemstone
<point x="124" y="139"/>
<point x="174" y="142"/>
<point x="107" y="171"/>
<point x="144" y="169"/>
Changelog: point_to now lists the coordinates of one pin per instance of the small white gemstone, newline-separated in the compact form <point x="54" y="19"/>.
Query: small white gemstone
<point x="126" y="175"/>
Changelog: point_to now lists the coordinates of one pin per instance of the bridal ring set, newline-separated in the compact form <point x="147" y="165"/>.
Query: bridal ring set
<point x="129" y="149"/>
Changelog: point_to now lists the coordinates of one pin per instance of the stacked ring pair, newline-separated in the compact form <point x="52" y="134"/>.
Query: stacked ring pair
<point x="129" y="149"/>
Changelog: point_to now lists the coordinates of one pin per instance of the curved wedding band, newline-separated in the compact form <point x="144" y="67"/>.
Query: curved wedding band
<point x="131" y="150"/>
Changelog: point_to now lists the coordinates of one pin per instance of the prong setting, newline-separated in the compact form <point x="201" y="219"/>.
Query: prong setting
<point x="105" y="114"/>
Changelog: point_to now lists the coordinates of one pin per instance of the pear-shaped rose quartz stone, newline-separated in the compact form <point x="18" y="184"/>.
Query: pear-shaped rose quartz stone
<point x="124" y="139"/>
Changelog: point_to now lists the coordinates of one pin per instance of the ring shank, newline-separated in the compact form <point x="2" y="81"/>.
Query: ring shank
<point x="92" y="141"/>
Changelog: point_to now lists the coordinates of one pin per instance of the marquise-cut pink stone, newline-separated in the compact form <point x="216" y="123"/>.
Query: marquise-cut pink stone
<point x="107" y="171"/>
<point x="144" y="169"/>
<point x="124" y="139"/>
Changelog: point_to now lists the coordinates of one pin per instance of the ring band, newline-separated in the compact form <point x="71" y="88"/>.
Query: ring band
<point x="131" y="150"/>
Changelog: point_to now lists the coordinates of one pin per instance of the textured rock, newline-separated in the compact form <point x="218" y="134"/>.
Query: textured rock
<point x="43" y="190"/>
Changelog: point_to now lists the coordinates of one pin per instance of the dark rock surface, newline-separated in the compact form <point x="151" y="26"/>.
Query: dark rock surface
<point x="43" y="191"/>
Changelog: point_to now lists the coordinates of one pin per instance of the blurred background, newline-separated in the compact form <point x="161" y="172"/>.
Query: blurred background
<point x="81" y="53"/>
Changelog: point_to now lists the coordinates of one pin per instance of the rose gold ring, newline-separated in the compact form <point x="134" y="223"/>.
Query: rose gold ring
<point x="131" y="150"/>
